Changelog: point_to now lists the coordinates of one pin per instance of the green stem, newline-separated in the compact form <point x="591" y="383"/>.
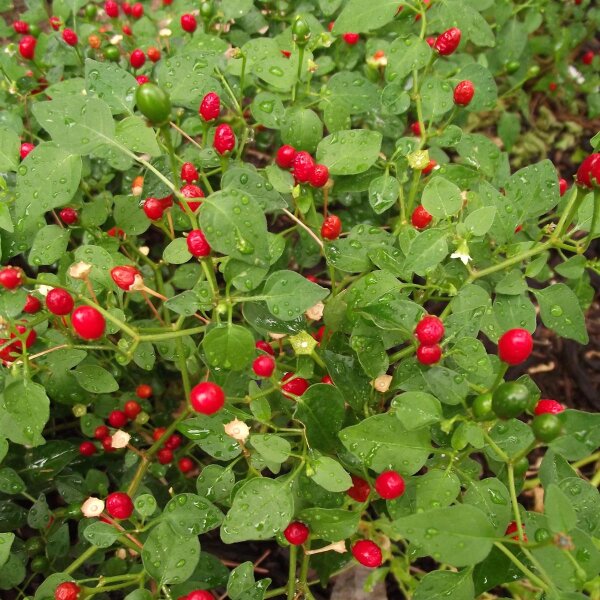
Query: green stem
<point x="291" y="585"/>
<point x="171" y="334"/>
<point x="530" y="575"/>
<point x="514" y="500"/>
<point x="166" y="135"/>
<point x="81" y="559"/>
<point x="503" y="456"/>
<point x="109" y="317"/>
<point x="298" y="73"/>
<point x="303" y="583"/>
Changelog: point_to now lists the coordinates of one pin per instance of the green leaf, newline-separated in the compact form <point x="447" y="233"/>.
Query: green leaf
<point x="288" y="294"/>
<point x="406" y="55"/>
<point x="111" y="83"/>
<point x="381" y="442"/>
<point x="230" y="347"/>
<point x="272" y="448"/>
<point x="176" y="252"/>
<point x="486" y="90"/>
<point x="168" y="557"/>
<point x="248" y="180"/>
<point x="492" y="497"/>
<point x="458" y="535"/>
<point x="6" y="540"/>
<point x="417" y="409"/>
<point x="535" y="188"/>
<point x="191" y="515"/>
<point x="62" y="173"/>
<point x="559" y="510"/>
<point x="209" y="434"/>
<point x="349" y="152"/>
<point x="49" y="245"/>
<point x="437" y="97"/>
<point x="215" y="483"/>
<point x="235" y="225"/>
<point x="134" y="133"/>
<point x="10" y="482"/>
<point x="240" y="580"/>
<point x="427" y="250"/>
<point x="351" y="93"/>
<point x="261" y="508"/>
<point x="383" y="193"/>
<point x="78" y="124"/>
<point x="360" y="16"/>
<point x="24" y="412"/>
<point x="352" y="384"/>
<point x="268" y="110"/>
<point x="440" y="585"/>
<point x="584" y="498"/>
<point x="102" y="262"/>
<point x="560" y="311"/>
<point x="9" y="150"/>
<point x="39" y="514"/>
<point x="330" y="475"/>
<point x="441" y="198"/>
<point x="101" y="535"/>
<point x="581" y="435"/>
<point x="235" y="9"/>
<point x="145" y="505"/>
<point x="512" y="436"/>
<point x="302" y="129"/>
<point x="95" y="379"/>
<point x="330" y="524"/>
<point x="436" y="489"/>
<point x="480" y="152"/>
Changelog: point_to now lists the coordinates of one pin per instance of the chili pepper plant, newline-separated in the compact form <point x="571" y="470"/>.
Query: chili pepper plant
<point x="266" y="268"/>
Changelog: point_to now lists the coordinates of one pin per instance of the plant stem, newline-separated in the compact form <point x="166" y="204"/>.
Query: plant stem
<point x="81" y="559"/>
<point x="530" y="575"/>
<point x="298" y="73"/>
<point x="514" y="500"/>
<point x="291" y="585"/>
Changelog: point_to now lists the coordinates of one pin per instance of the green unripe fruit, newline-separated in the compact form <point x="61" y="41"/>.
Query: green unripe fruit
<point x="482" y="407"/>
<point x="34" y="545"/>
<point x="510" y="400"/>
<point x="91" y="10"/>
<point x="542" y="535"/>
<point x="112" y="53"/>
<point x="513" y="66"/>
<point x="300" y="31"/>
<point x="207" y="10"/>
<point x="533" y="71"/>
<point x="39" y="564"/>
<point x="546" y="427"/>
<point x="521" y="466"/>
<point x="34" y="30"/>
<point x="154" y="103"/>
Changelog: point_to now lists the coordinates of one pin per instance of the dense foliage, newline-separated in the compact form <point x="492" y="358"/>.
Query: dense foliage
<point x="268" y="266"/>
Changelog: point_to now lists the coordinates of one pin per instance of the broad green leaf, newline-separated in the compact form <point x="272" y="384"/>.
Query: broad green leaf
<point x="349" y="152"/>
<point x="230" y="347"/>
<point x="427" y="250"/>
<point x="168" y="557"/>
<point x="441" y="198"/>
<point x="381" y="442"/>
<point x="272" y="448"/>
<point x="208" y="432"/>
<point x="176" y="252"/>
<point x="437" y="97"/>
<point x="145" y="505"/>
<point x="436" y="489"/>
<point x="6" y="540"/>
<point x="9" y="150"/>
<point x="406" y="55"/>
<point x="351" y="93"/>
<point x="109" y="82"/>
<point x="492" y="497"/>
<point x="535" y="188"/>
<point x="95" y="379"/>
<point x="248" y="180"/>
<point x="78" y="124"/>
<point x="383" y="193"/>
<point x="235" y="9"/>
<point x="302" y="129"/>
<point x="441" y="585"/>
<point x="10" y="482"/>
<point x="288" y="294"/>
<point x="480" y="152"/>
<point x="330" y="475"/>
<point x="417" y="409"/>
<point x="261" y="508"/>
<point x="268" y="110"/>
<point x="330" y="524"/>
<point x="24" y="411"/>
<point x="559" y="510"/>
<point x="240" y="580"/>
<point x="458" y="535"/>
<point x="584" y="498"/>
<point x="102" y="535"/>
<point x="512" y="437"/>
<point x="580" y="437"/>
<point x="49" y="245"/>
<point x="352" y="384"/>
<point x="235" y="225"/>
<point x="134" y="133"/>
<point x="480" y="220"/>
<point x="360" y="16"/>
<point x="560" y="311"/>
<point x="215" y="483"/>
<point x="191" y="515"/>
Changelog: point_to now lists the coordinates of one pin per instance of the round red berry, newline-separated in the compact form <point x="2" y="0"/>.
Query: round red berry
<point x="588" y="174"/>
<point x="88" y="322"/>
<point x="27" y="46"/>
<point x="197" y="244"/>
<point x="207" y="398"/>
<point x="512" y="529"/>
<point x="119" y="505"/>
<point x="32" y="305"/>
<point x="416" y="128"/>
<point x="285" y="156"/>
<point x="448" y="42"/>
<point x="137" y="58"/>
<point x="70" y="37"/>
<point x="188" y="23"/>
<point x="87" y="449"/>
<point x="303" y="166"/>
<point x="142" y="79"/>
<point x="588" y="57"/>
<point x="165" y="456"/>
<point x="360" y="489"/>
<point x="199" y="595"/>
<point x="59" y="302"/>
<point x="185" y="464"/>
<point x="515" y="346"/>
<point x="463" y="93"/>
<point x="331" y="228"/>
<point x="192" y="191"/>
<point x="547" y="406"/>
<point x="293" y="385"/>
<point x="25" y="149"/>
<point x="11" y="277"/>
<point x="265" y="347"/>
<point x="21" y="27"/>
<point x="296" y="533"/>
<point x="153" y="208"/>
<point x="429" y="330"/>
<point x="126" y="30"/>
<point x="189" y="174"/>
<point x="107" y="444"/>
<point x="224" y="140"/>
<point x="562" y="186"/>
<point x="111" y="8"/>
<point x="125" y="276"/>
<point x="263" y="366"/>
<point x="137" y="10"/>
<point x="173" y="442"/>
<point x="101" y="432"/>
<point x="319" y="177"/>
<point x="132" y="409"/>
<point x="420" y="218"/>
<point x="351" y="38"/>
<point x="67" y="590"/>
<point x="429" y="355"/>
<point x="68" y="216"/>
<point x="327" y="379"/>
<point x="210" y="107"/>
<point x="390" y="485"/>
<point x="117" y="419"/>
<point x="158" y="433"/>
<point x="153" y="54"/>
<point x="367" y="553"/>
<point x="143" y="391"/>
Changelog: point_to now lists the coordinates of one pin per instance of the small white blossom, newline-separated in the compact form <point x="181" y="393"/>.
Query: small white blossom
<point x="382" y="383"/>
<point x="238" y="430"/>
<point x="121" y="553"/>
<point x="44" y="289"/>
<point x="120" y="439"/>
<point x="116" y="39"/>
<point x="144" y="250"/>
<point x="339" y="547"/>
<point x="138" y="284"/>
<point x="465" y="258"/>
<point x="277" y="336"/>
<point x="80" y="270"/>
<point x="165" y="32"/>
<point x="92" y="507"/>
<point x="315" y="312"/>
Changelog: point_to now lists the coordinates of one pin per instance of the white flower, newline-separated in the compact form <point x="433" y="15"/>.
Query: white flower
<point x="315" y="312"/>
<point x="465" y="258"/>
<point x="238" y="430"/>
<point x="144" y="250"/>
<point x="120" y="439"/>
<point x="165" y="32"/>
<point x="339" y="547"/>
<point x="121" y="553"/>
<point x="44" y="289"/>
<point x="138" y="284"/>
<point x="116" y="39"/>
<point x="382" y="383"/>
<point x="576" y="75"/>
<point x="80" y="270"/>
<point x="277" y="336"/>
<point x="92" y="507"/>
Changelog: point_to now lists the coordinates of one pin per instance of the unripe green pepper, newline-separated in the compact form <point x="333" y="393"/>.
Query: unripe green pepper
<point x="301" y="32"/>
<point x="154" y="103"/>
